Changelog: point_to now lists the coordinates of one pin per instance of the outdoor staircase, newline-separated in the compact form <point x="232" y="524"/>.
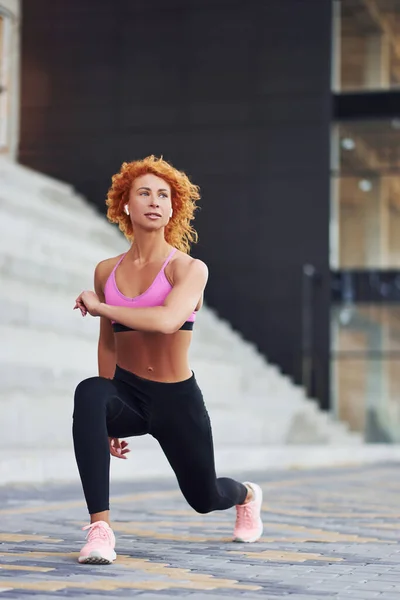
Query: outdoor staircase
<point x="50" y="241"/>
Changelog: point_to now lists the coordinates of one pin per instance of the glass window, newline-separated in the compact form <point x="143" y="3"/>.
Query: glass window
<point x="366" y="45"/>
<point x="366" y="369"/>
<point x="365" y="227"/>
<point x="4" y="77"/>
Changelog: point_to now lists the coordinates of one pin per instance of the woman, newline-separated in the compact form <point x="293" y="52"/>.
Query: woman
<point x="147" y="300"/>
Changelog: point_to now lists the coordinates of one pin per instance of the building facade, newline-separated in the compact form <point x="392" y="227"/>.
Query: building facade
<point x="9" y="77"/>
<point x="285" y="114"/>
<point x="365" y="216"/>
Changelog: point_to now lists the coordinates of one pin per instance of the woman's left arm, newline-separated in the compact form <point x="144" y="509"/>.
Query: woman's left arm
<point x="189" y="283"/>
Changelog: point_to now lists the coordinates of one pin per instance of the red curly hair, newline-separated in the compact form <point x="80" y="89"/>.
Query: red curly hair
<point x="179" y="232"/>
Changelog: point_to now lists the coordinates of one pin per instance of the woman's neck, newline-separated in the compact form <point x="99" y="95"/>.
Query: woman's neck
<point x="148" y="247"/>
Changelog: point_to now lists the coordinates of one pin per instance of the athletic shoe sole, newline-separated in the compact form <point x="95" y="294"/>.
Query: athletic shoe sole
<point x="95" y="558"/>
<point x="251" y="540"/>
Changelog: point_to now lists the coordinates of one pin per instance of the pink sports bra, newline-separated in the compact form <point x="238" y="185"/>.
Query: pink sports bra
<point x="154" y="295"/>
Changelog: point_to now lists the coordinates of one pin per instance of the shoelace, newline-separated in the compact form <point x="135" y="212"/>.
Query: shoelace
<point x="245" y="515"/>
<point x="97" y="531"/>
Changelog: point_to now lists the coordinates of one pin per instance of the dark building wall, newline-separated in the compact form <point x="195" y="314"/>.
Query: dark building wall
<point x="237" y="93"/>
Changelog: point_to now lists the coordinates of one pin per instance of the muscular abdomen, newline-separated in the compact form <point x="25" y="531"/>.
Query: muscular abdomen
<point x="154" y="356"/>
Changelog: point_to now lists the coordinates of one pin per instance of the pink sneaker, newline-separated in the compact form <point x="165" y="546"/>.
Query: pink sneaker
<point x="249" y="527"/>
<point x="99" y="548"/>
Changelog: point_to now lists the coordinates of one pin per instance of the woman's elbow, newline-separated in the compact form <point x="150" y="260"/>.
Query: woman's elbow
<point x="169" y="325"/>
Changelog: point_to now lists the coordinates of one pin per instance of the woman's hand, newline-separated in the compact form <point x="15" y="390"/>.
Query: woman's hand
<point x="118" y="449"/>
<point x="88" y="302"/>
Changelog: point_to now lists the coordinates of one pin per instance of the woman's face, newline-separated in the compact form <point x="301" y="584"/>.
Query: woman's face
<point x="150" y="202"/>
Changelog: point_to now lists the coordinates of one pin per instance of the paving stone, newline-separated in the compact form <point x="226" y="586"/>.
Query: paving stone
<point x="361" y="595"/>
<point x="323" y="538"/>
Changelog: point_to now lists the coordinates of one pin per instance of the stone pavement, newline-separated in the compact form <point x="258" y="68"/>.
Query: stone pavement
<point x="329" y="533"/>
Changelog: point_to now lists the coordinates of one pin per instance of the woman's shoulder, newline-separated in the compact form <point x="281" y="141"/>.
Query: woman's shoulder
<point x="183" y="263"/>
<point x="104" y="268"/>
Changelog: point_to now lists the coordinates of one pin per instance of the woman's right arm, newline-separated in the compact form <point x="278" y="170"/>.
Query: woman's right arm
<point x="106" y="348"/>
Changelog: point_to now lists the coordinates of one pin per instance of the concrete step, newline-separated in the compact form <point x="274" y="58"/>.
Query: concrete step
<point x="22" y="346"/>
<point x="61" y="219"/>
<point x="272" y="387"/>
<point x="49" y="424"/>
<point x="47" y="197"/>
<point x="265" y="426"/>
<point x="50" y="242"/>
<point x="41" y="313"/>
<point x="68" y="277"/>
<point x="49" y="203"/>
<point x="43" y="188"/>
<point x="146" y="460"/>
<point x="32" y="306"/>
<point x="312" y="425"/>
<point x="19" y="175"/>
<point x="285" y="419"/>
<point x="54" y="314"/>
<point x="220" y="385"/>
<point x="45" y="245"/>
<point x="37" y="382"/>
<point x="43" y="422"/>
<point x="72" y="276"/>
<point x="29" y="305"/>
<point x="33" y="361"/>
<point x="62" y="362"/>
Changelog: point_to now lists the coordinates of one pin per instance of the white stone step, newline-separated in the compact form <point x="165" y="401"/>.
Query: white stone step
<point x="146" y="461"/>
<point x="64" y="350"/>
<point x="38" y="312"/>
<point x="32" y="306"/>
<point x="43" y="348"/>
<point x="66" y="202"/>
<point x="68" y="277"/>
<point x="45" y="245"/>
<point x="51" y="206"/>
<point x="43" y="188"/>
<point x="37" y="382"/>
<point x="310" y="424"/>
<point x="251" y="419"/>
<point x="263" y="427"/>
<point x="45" y="419"/>
<point x="296" y="419"/>
<point x="45" y="312"/>
<point x="50" y="242"/>
<point x="74" y="276"/>
<point x="19" y="175"/>
<point x="220" y="383"/>
<point x="202" y="371"/>
<point x="41" y="312"/>
<point x="60" y="366"/>
<point x="93" y="227"/>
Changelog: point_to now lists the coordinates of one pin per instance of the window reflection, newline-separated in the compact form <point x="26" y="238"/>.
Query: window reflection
<point x="367" y="194"/>
<point x="366" y="369"/>
<point x="367" y="43"/>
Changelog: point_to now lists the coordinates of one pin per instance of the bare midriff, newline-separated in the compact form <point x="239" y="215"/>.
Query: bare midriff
<point x="154" y="356"/>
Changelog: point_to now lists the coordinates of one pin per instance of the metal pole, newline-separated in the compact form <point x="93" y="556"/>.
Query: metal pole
<point x="309" y="273"/>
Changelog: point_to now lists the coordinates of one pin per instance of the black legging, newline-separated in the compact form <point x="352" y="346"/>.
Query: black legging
<point x="173" y="413"/>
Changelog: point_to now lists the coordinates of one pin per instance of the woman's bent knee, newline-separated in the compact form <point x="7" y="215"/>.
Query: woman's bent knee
<point x="89" y="392"/>
<point x="202" y="505"/>
<point x="87" y="387"/>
